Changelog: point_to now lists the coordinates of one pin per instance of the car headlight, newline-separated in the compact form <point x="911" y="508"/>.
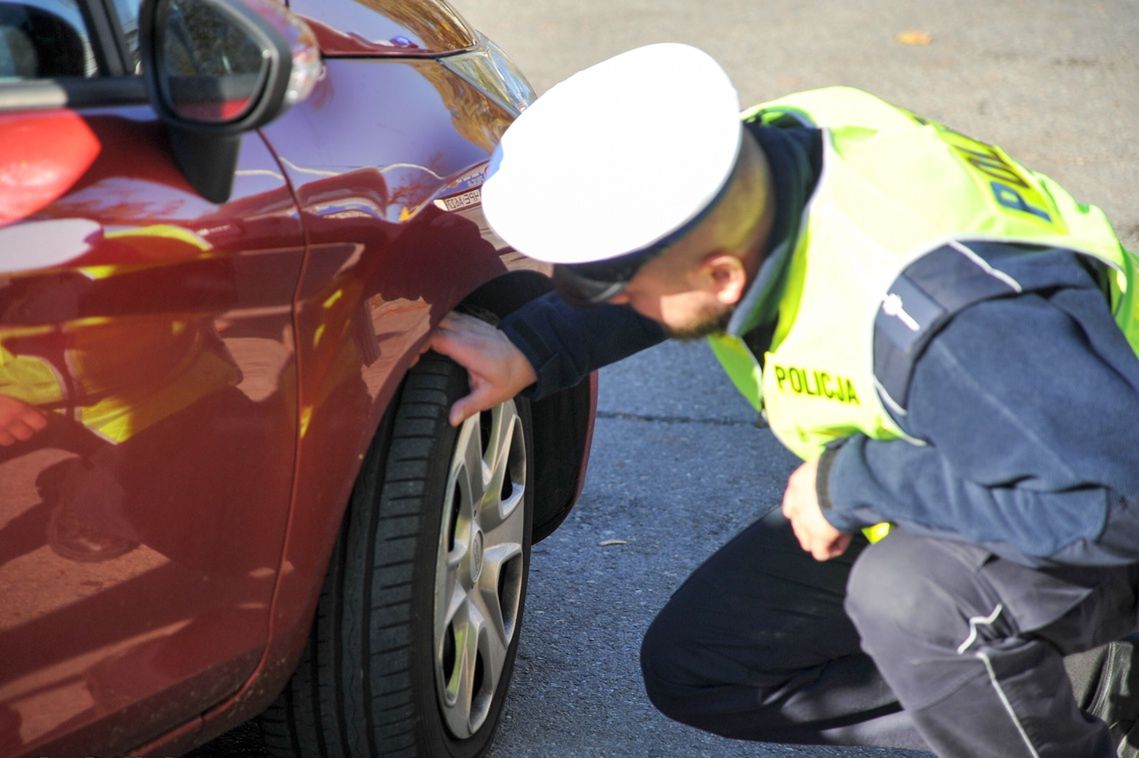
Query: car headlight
<point x="487" y="68"/>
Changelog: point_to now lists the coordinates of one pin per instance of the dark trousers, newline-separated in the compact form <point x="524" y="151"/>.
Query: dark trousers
<point x="764" y="643"/>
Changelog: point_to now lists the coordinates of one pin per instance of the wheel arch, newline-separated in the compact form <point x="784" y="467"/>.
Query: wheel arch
<point x="560" y="458"/>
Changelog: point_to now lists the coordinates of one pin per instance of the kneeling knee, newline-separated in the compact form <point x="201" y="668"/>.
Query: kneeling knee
<point x="696" y="685"/>
<point x="660" y="668"/>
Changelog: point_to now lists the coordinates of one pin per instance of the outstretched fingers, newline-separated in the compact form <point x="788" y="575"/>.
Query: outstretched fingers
<point x="497" y="370"/>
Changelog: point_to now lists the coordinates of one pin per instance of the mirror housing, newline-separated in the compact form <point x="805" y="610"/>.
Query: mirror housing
<point x="215" y="69"/>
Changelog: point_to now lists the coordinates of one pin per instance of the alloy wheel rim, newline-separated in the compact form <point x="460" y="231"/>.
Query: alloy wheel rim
<point x="479" y="566"/>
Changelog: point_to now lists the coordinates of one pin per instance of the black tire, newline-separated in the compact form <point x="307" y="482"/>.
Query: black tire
<point x="382" y="673"/>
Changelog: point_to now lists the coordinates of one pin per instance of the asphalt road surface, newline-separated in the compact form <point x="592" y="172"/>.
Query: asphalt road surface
<point x="677" y="466"/>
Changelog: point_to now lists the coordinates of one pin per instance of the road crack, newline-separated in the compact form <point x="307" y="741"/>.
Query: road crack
<point x="652" y="418"/>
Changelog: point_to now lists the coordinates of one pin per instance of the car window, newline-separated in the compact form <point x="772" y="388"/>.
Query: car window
<point x="42" y="39"/>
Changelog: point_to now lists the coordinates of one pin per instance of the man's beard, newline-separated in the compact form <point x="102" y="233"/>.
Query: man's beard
<point x="713" y="319"/>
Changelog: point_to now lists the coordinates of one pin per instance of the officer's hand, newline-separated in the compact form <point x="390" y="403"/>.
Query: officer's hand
<point x="801" y="507"/>
<point x="498" y="370"/>
<point x="18" y="421"/>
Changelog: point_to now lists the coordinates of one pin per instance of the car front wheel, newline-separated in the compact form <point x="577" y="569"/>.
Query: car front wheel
<point x="418" y="624"/>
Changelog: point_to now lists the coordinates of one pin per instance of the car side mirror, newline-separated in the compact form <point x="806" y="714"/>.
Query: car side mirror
<point x="217" y="68"/>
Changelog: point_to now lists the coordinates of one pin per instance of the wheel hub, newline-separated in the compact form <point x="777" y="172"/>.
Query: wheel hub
<point x="476" y="555"/>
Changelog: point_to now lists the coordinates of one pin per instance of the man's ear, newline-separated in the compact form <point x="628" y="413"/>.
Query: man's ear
<point x="725" y="277"/>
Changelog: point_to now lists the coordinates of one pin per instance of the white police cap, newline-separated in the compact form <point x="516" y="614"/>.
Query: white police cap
<point x="616" y="157"/>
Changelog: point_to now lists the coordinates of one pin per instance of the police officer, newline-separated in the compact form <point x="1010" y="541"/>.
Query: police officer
<point x="946" y="338"/>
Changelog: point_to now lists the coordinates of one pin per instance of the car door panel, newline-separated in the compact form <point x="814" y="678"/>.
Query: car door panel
<point x="141" y="525"/>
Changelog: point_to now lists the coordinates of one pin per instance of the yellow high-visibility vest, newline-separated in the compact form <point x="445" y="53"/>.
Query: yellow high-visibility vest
<point x="893" y="188"/>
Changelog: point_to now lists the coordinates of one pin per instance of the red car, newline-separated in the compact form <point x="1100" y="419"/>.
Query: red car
<point x="228" y="488"/>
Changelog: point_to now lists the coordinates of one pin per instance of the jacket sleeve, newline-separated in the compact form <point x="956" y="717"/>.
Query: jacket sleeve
<point x="1028" y="410"/>
<point x="564" y="343"/>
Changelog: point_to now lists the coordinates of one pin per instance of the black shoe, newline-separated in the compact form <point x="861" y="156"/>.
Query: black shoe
<point x="71" y="539"/>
